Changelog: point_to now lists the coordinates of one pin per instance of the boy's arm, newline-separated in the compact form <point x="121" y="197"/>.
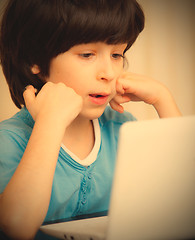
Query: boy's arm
<point x="25" y="200"/>
<point x="134" y="87"/>
<point x="166" y="106"/>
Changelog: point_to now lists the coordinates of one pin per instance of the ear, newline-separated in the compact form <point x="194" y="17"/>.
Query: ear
<point x="35" y="69"/>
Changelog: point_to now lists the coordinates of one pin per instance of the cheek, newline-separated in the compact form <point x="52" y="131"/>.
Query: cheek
<point x="60" y="71"/>
<point x="121" y="69"/>
<point x="113" y="87"/>
<point x="77" y="83"/>
<point x="118" y="69"/>
<point x="60" y="75"/>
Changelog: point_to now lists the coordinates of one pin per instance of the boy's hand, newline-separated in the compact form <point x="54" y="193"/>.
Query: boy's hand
<point x="134" y="87"/>
<point x="55" y="101"/>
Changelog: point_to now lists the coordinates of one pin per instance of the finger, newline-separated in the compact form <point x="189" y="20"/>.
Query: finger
<point x="128" y="85"/>
<point x="115" y="106"/>
<point x="29" y="95"/>
<point x="122" y="98"/>
<point x="119" y="88"/>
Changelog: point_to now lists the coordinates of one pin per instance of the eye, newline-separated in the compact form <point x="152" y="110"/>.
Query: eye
<point x="86" y="55"/>
<point x="117" y="56"/>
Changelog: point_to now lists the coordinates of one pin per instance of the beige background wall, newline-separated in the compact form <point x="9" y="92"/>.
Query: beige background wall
<point x="165" y="51"/>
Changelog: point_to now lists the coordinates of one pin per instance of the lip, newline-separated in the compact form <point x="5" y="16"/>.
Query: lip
<point x="99" y="98"/>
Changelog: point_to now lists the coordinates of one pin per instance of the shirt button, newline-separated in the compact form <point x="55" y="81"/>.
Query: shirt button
<point x="89" y="176"/>
<point x="84" y="201"/>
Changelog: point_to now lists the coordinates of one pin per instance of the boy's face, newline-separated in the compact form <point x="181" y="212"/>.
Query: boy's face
<point x="91" y="70"/>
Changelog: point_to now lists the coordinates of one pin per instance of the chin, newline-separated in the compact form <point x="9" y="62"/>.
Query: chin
<point x="93" y="113"/>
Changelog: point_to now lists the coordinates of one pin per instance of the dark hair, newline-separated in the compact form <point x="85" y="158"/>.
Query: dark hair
<point x="35" y="31"/>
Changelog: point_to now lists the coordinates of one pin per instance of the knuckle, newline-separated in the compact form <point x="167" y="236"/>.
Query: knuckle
<point x="61" y="85"/>
<point x="27" y="88"/>
<point x="48" y="84"/>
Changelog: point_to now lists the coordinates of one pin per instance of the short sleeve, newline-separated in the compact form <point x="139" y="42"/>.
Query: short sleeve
<point x="11" y="152"/>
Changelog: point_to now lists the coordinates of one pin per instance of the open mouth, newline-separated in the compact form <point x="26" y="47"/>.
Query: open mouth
<point x="98" y="98"/>
<point x="97" y="95"/>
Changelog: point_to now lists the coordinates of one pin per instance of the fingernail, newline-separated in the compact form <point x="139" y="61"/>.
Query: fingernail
<point x="121" y="109"/>
<point x="36" y="92"/>
<point x="26" y="88"/>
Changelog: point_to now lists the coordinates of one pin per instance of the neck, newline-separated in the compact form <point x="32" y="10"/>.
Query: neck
<point x="79" y="137"/>
<point x="78" y="127"/>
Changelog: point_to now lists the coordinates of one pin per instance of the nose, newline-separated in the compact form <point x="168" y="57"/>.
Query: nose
<point x="105" y="70"/>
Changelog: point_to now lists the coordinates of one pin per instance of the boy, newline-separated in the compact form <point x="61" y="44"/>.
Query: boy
<point x="57" y="154"/>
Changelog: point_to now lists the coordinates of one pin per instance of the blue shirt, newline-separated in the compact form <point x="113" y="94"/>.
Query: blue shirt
<point x="76" y="189"/>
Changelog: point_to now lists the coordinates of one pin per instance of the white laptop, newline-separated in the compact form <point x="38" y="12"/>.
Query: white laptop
<point x="153" y="195"/>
